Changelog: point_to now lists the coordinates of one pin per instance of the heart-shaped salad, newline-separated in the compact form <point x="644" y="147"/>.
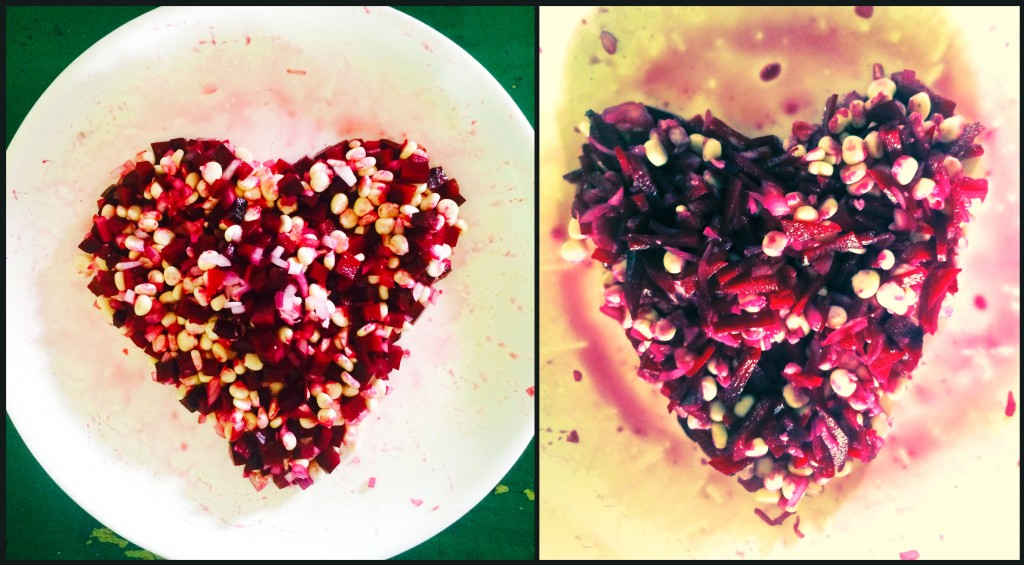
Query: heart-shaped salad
<point x="779" y="289"/>
<point x="272" y="294"/>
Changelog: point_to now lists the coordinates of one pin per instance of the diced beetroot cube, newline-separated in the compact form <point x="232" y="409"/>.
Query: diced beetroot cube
<point x="346" y="265"/>
<point x="329" y="460"/>
<point x="415" y="170"/>
<point x="353" y="409"/>
<point x="289" y="185"/>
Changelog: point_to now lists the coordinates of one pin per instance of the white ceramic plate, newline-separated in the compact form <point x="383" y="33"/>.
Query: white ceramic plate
<point x="947" y="483"/>
<point x="284" y="83"/>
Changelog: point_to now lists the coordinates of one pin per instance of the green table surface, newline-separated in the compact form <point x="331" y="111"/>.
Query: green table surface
<point x="42" y="522"/>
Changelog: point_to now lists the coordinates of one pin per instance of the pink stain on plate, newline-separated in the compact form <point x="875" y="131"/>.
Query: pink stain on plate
<point x="1011" y="404"/>
<point x="416" y="501"/>
<point x="209" y="88"/>
<point x="372" y="482"/>
<point x="909" y="555"/>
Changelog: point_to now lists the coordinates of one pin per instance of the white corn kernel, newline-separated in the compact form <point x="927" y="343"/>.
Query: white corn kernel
<point x="853" y="173"/>
<point x="664" y="330"/>
<point x="743" y="405"/>
<point x="828" y="209"/>
<point x="574" y="251"/>
<point x="211" y="171"/>
<point x="836" y="317"/>
<point x="399" y="245"/>
<point x="712" y="149"/>
<point x="233" y="233"/>
<point x="881" y="86"/>
<point x="143" y="304"/>
<point x="865" y="283"/>
<point x="362" y="207"/>
<point x="805" y="214"/>
<point x="716" y="411"/>
<point x="904" y="169"/>
<point x="210" y="259"/>
<point x="449" y="209"/>
<point x="384" y="226"/>
<point x="843" y="382"/>
<point x="339" y="203"/>
<point x="673" y="263"/>
<point x="854" y="150"/>
<point x="253" y="362"/>
<point x="708" y="389"/>
<point x="435" y="268"/>
<point x="319" y="181"/>
<point x="306" y="255"/>
<point x="758" y="448"/>
<point x="697" y="143"/>
<point x="820" y="168"/>
<point x="719" y="435"/>
<point x="774" y="243"/>
<point x="874" y="145"/>
<point x="885" y="260"/>
<point x="892" y="297"/>
<point x="655" y="151"/>
<point x="348" y="219"/>
<point x="356" y="154"/>
<point x="951" y="128"/>
<point x="952" y="166"/>
<point x="920" y="103"/>
<point x="923" y="188"/>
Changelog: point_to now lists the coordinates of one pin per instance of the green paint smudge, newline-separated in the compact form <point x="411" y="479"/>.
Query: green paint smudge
<point x="106" y="535"/>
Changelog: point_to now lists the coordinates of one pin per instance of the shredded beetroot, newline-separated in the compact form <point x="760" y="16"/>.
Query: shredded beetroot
<point x="372" y="482"/>
<point x="909" y="555"/>
<point x="1011" y="404"/>
<point x="796" y="528"/>
<point x="573" y="437"/>
<point x="772" y="521"/>
<point x="577" y="375"/>
<point x="609" y="42"/>
<point x="529" y="391"/>
<point x="778" y="290"/>
<point x="864" y="11"/>
<point x="271" y="294"/>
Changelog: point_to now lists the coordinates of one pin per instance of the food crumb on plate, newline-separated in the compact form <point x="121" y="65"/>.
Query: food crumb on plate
<point x="609" y="42"/>
<point x="500" y="489"/>
<point x="1011" y="404"/>
<point x="909" y="555"/>
<point x="864" y="11"/>
<point x="573" y="437"/>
